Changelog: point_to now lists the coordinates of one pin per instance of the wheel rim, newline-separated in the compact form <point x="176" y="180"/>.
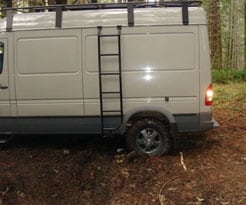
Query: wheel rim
<point x="148" y="140"/>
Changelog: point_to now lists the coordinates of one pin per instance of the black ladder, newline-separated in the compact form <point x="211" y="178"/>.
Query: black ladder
<point x="117" y="73"/>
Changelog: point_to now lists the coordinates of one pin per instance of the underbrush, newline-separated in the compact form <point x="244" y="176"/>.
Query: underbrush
<point x="230" y="96"/>
<point x="226" y="76"/>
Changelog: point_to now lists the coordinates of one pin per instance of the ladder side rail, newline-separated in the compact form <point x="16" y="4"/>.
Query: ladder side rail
<point x="117" y="73"/>
<point x="120" y="73"/>
<point x="99" y="29"/>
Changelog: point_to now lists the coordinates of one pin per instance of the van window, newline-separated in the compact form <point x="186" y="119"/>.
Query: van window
<point x="1" y="56"/>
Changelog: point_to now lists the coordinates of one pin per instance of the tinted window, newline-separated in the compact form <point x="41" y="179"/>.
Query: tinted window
<point x="1" y="57"/>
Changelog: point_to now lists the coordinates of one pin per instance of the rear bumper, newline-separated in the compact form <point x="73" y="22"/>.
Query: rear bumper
<point x="195" y="122"/>
<point x="216" y="124"/>
<point x="208" y="125"/>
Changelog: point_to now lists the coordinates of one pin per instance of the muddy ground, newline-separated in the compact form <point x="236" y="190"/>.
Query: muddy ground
<point x="54" y="170"/>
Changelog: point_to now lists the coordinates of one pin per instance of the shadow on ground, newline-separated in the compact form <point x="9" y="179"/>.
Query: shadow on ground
<point x="111" y="145"/>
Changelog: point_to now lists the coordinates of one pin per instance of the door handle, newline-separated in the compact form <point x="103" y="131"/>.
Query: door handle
<point x="3" y="87"/>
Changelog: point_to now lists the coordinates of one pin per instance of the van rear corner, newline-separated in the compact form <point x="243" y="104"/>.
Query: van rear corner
<point x="207" y="120"/>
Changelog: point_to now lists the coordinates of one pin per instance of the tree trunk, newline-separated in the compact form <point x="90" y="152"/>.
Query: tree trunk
<point x="51" y="2"/>
<point x="244" y="34"/>
<point x="233" y="50"/>
<point x="215" y="33"/>
<point x="230" y="39"/>
<point x="61" y="1"/>
<point x="9" y="3"/>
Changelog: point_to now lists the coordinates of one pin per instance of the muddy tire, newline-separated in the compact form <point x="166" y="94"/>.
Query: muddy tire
<point x="149" y="136"/>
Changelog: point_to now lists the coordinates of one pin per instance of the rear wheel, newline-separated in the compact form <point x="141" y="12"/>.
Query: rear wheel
<point x="149" y="136"/>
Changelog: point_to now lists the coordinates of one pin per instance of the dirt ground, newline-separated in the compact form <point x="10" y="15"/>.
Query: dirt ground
<point x="54" y="170"/>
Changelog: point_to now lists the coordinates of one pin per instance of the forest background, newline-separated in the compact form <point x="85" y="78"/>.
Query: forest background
<point x="226" y="20"/>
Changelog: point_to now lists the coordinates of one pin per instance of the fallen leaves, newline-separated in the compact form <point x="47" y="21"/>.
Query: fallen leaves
<point x="20" y="194"/>
<point x="161" y="196"/>
<point x="182" y="161"/>
<point x="5" y="191"/>
<point x="200" y="199"/>
<point x="66" y="151"/>
<point x="125" y="173"/>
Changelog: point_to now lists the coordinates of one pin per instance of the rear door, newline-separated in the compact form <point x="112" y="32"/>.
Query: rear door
<point x="4" y="79"/>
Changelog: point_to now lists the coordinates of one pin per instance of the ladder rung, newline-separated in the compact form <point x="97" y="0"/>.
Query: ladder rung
<point x="110" y="54"/>
<point x="110" y="74"/>
<point x="105" y="36"/>
<point x="109" y="92"/>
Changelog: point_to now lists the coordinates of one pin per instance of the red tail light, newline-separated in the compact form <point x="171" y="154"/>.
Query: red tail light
<point x="209" y="95"/>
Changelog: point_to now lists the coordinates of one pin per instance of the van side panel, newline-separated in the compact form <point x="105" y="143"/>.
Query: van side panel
<point x="159" y="62"/>
<point x="48" y="73"/>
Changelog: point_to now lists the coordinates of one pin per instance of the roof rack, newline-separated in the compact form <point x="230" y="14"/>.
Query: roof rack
<point x="59" y="8"/>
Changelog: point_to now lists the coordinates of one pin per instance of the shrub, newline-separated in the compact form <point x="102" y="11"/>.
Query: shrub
<point x="228" y="75"/>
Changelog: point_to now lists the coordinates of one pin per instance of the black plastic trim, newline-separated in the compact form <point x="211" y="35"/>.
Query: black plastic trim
<point x="195" y="122"/>
<point x="92" y="124"/>
<point x="56" y="125"/>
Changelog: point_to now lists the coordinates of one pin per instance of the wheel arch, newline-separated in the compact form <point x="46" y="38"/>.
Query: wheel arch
<point x="158" y="113"/>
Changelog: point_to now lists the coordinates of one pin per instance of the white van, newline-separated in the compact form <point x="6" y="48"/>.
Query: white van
<point x="137" y="69"/>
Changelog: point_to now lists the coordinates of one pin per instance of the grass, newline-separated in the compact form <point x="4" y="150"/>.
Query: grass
<point x="230" y="89"/>
<point x="230" y="96"/>
<point x="226" y="76"/>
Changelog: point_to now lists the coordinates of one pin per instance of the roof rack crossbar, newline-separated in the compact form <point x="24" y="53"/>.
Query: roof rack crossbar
<point x="185" y="13"/>
<point x="58" y="17"/>
<point x="9" y="25"/>
<point x="130" y="13"/>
